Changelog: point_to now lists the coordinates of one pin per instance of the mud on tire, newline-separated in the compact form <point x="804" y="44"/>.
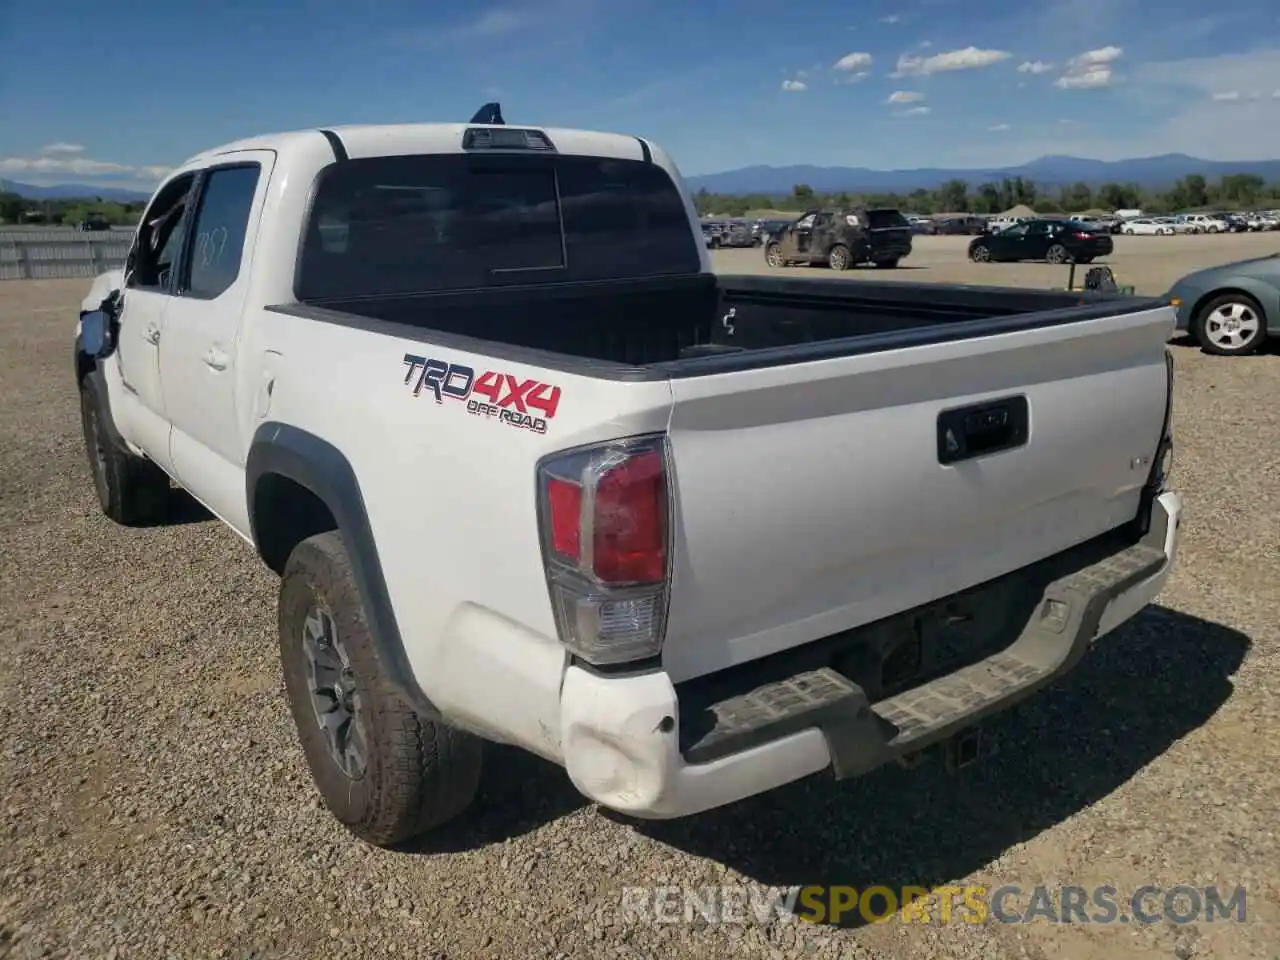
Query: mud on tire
<point x="403" y="773"/>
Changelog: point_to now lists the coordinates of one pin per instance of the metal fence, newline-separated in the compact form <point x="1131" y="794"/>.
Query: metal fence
<point x="53" y="254"/>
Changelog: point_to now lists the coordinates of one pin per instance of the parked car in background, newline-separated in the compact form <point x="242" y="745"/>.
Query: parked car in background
<point x="1231" y="309"/>
<point x="1208" y="222"/>
<point x="1176" y="225"/>
<point x="924" y="226"/>
<point x="961" y="226"/>
<point x="842" y="238"/>
<point x="1236" y="222"/>
<point x="1259" y="222"/>
<point x="1146" y="227"/>
<point x="712" y="231"/>
<point x="771" y="228"/>
<point x="1056" y="241"/>
<point x="94" y="222"/>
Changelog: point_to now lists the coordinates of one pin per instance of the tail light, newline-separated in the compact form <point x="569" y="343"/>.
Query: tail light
<point x="605" y="517"/>
<point x="1083" y="235"/>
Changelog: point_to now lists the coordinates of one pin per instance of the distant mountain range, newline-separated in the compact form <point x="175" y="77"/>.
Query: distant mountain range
<point x="1053" y="171"/>
<point x="1151" y="172"/>
<point x="73" y="191"/>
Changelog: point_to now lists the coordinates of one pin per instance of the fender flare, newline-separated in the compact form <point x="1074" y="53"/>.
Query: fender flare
<point x="321" y="468"/>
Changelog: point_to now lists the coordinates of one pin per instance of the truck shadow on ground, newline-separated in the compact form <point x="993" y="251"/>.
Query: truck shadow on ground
<point x="182" y="510"/>
<point x="1137" y="692"/>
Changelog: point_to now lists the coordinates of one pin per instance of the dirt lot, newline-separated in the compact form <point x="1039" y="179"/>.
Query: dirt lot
<point x="155" y="802"/>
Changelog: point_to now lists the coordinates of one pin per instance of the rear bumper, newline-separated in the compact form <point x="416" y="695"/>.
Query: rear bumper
<point x="622" y="739"/>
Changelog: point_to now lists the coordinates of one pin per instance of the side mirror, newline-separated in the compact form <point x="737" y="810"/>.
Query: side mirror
<point x="95" y="333"/>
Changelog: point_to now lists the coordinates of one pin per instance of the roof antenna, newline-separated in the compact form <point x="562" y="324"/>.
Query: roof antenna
<point x="490" y="113"/>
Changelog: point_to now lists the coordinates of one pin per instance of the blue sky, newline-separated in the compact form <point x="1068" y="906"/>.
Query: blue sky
<point x="116" y="93"/>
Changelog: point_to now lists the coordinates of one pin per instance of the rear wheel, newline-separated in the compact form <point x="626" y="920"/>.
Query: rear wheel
<point x="386" y="772"/>
<point x="839" y="257"/>
<point x="980" y="254"/>
<point x="130" y="490"/>
<point x="773" y="255"/>
<point x="1057" y="254"/>
<point x="1230" y="325"/>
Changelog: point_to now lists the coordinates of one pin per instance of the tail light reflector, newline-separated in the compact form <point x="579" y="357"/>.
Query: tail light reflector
<point x="605" y="515"/>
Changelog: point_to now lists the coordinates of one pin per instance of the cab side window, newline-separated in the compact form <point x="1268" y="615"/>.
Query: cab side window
<point x="157" y="243"/>
<point x="217" y="239"/>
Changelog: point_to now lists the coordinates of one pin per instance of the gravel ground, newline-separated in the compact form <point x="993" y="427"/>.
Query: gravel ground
<point x="155" y="801"/>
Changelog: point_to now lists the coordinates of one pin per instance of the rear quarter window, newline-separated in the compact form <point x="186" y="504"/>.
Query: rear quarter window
<point x="398" y="225"/>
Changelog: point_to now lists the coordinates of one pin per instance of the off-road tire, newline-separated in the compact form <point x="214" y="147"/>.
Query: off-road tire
<point x="131" y="490"/>
<point x="773" y="255"/>
<point x="419" y="773"/>
<point x="839" y="257"/>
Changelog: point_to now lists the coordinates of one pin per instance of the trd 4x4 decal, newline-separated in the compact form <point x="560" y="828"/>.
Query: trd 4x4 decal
<point x="523" y="403"/>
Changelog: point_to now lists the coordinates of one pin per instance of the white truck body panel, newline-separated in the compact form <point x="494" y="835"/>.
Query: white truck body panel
<point x="808" y="498"/>
<point x="772" y="556"/>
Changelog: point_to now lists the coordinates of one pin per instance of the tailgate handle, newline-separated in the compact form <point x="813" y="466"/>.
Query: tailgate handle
<point x="992" y="427"/>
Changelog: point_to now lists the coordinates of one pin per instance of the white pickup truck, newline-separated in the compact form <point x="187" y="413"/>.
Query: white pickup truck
<point x="532" y="473"/>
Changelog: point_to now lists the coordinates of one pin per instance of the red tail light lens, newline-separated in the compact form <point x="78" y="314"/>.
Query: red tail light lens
<point x="564" y="515"/>
<point x="629" y="521"/>
<point x="1082" y="235"/>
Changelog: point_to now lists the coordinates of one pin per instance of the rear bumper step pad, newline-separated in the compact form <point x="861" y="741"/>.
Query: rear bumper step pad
<point x="862" y="736"/>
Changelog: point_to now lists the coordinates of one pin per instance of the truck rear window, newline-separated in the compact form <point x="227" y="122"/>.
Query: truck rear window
<point x="398" y="225"/>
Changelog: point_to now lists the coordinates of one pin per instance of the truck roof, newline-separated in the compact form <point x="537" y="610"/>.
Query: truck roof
<point x="382" y="140"/>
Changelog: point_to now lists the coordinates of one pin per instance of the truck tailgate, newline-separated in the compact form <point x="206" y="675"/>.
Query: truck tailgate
<point x="812" y="497"/>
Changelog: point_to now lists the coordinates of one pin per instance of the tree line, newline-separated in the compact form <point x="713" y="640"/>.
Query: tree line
<point x="15" y="208"/>
<point x="1236" y="192"/>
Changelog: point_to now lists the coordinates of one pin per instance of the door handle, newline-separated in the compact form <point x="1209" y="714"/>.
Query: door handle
<point x="152" y="335"/>
<point x="215" y="359"/>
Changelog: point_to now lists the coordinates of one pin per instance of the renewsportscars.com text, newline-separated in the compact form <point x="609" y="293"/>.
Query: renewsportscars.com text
<point x="971" y="903"/>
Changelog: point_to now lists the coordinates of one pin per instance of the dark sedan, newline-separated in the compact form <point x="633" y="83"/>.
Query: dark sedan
<point x="1057" y="241"/>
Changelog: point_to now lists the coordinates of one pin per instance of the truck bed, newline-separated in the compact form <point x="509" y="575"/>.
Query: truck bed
<point x="687" y="325"/>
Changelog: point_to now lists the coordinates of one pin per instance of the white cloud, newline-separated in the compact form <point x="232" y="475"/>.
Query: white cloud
<point x="852" y="62"/>
<point x="1090" y="70"/>
<point x="1034" y="66"/>
<point x="970" y="58"/>
<point x="1227" y="95"/>
<point x="61" y="148"/>
<point x="998" y="127"/>
<point x="491" y="23"/>
<point x="891" y="19"/>
<point x="61" y="163"/>
<point x="794" y="86"/>
<point x="914" y="112"/>
<point x="854" y="77"/>
<point x="905" y="96"/>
